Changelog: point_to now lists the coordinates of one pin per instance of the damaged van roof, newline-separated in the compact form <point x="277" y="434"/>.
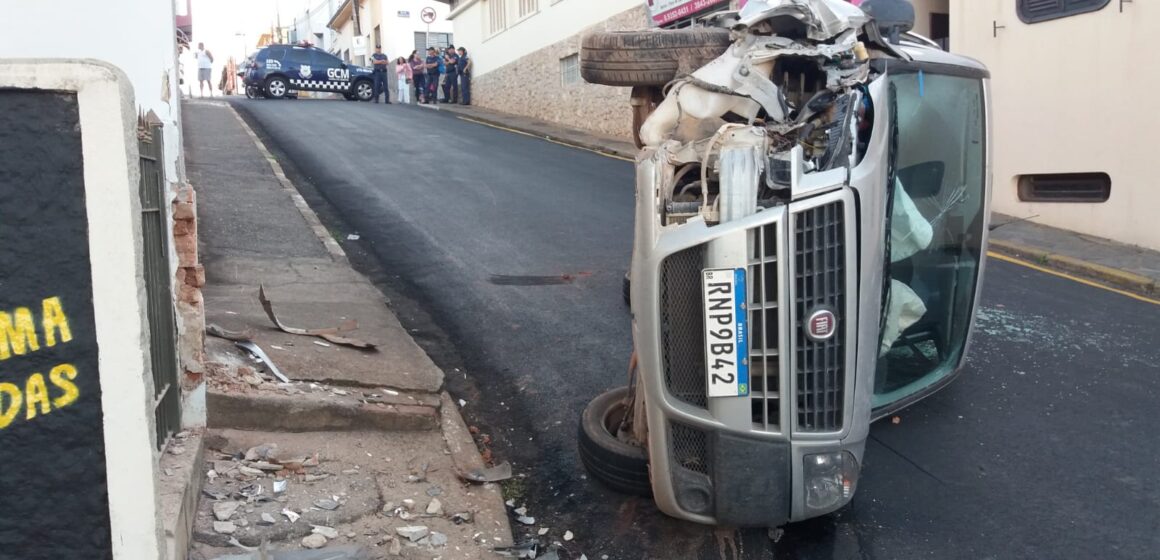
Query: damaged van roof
<point x="929" y="55"/>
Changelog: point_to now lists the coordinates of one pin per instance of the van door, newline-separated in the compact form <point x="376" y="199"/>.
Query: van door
<point x="937" y="218"/>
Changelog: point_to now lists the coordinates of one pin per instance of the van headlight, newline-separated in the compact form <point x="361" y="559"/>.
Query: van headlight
<point x="830" y="480"/>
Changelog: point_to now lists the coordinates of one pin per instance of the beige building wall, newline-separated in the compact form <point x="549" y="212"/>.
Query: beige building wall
<point x="922" y="11"/>
<point x="519" y="70"/>
<point x="1072" y="95"/>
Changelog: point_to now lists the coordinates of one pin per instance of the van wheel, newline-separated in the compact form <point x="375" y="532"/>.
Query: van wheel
<point x="648" y="58"/>
<point x="364" y="90"/>
<point x="618" y="465"/>
<point x="276" y="87"/>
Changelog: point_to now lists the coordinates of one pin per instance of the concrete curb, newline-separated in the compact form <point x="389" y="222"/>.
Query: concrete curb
<point x="308" y="214"/>
<point x="465" y="455"/>
<point x="1112" y="276"/>
<point x="277" y="413"/>
<point x="180" y="493"/>
<point x="582" y="144"/>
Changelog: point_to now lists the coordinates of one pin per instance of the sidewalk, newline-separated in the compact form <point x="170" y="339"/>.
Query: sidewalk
<point x="365" y="441"/>
<point x="1123" y="266"/>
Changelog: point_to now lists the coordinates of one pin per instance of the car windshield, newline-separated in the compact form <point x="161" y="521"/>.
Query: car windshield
<point x="936" y="232"/>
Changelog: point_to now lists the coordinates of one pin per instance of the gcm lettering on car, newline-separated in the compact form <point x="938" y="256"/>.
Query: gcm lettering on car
<point x="338" y="74"/>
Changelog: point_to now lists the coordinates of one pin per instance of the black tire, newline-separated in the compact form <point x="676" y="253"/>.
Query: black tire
<point x="616" y="464"/>
<point x="363" y="90"/>
<point x="648" y="58"/>
<point x="276" y="87"/>
<point x="349" y="96"/>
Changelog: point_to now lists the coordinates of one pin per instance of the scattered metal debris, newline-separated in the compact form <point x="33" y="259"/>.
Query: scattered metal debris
<point x="235" y="336"/>
<point x="498" y="473"/>
<point x="260" y="354"/>
<point x="529" y="549"/>
<point x="331" y="334"/>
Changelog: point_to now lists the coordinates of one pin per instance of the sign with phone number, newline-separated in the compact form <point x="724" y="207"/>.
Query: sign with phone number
<point x="667" y="11"/>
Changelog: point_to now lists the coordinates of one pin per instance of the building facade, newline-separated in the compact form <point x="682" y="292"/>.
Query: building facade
<point x="1069" y="149"/>
<point x="526" y="56"/>
<point x="396" y="25"/>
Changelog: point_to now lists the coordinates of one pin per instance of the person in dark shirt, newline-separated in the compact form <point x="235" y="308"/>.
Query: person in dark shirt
<point x="464" y="77"/>
<point x="451" y="82"/>
<point x="419" y="76"/>
<point x="381" y="62"/>
<point x="434" y="62"/>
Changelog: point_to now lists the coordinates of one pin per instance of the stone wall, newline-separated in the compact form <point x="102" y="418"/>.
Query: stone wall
<point x="531" y="86"/>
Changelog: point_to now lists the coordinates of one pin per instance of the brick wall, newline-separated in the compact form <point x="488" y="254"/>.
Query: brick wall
<point x="531" y="86"/>
<point x="189" y="282"/>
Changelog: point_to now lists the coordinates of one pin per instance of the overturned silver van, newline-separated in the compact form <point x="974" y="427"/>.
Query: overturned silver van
<point x="812" y="199"/>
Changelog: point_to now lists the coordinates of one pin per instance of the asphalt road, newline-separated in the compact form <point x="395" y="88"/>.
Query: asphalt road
<point x="505" y="253"/>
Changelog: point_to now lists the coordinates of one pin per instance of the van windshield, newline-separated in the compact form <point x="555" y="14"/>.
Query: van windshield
<point x="936" y="231"/>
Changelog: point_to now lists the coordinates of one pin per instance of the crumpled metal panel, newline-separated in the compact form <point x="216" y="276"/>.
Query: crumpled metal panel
<point x="823" y="18"/>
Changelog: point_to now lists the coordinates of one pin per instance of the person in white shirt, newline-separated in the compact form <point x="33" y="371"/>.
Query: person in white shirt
<point x="204" y="67"/>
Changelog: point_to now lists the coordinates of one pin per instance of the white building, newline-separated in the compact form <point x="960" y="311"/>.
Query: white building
<point x="310" y="25"/>
<point x="397" y="25"/>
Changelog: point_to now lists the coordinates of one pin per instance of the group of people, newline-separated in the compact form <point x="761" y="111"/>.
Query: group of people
<point x="450" y="69"/>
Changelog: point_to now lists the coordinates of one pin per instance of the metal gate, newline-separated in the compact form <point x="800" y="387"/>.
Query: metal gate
<point x="162" y="319"/>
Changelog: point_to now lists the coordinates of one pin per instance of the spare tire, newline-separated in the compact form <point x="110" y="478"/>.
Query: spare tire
<point x="648" y="58"/>
<point x="617" y="464"/>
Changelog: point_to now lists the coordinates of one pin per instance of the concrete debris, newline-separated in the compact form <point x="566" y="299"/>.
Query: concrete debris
<point x="326" y="504"/>
<point x="223" y="511"/>
<point x="438" y="539"/>
<point x="543" y="531"/>
<point x="262" y="465"/>
<point x="250" y="471"/>
<point x="521" y="511"/>
<point x="290" y="515"/>
<point x="267" y="520"/>
<point x="526" y="520"/>
<point x="224" y="527"/>
<point x="434" y="491"/>
<point x="242" y="522"/>
<point x="435" y="507"/>
<point x="233" y="336"/>
<point x="510" y="503"/>
<point x="412" y="533"/>
<point x="461" y="518"/>
<point x="316" y="477"/>
<point x="409" y="504"/>
<point x="396" y="548"/>
<point x="328" y="532"/>
<point x="567" y="536"/>
<point x="498" y="473"/>
<point x="313" y="541"/>
<point x="527" y="549"/>
<point x="177" y="450"/>
<point x="350" y="471"/>
<point x="353" y="237"/>
<point x="211" y="475"/>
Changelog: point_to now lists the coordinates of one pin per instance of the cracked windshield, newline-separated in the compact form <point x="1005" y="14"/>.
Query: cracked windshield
<point x="577" y="280"/>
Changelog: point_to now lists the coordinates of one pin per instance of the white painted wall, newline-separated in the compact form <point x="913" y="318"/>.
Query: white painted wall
<point x="399" y="32"/>
<point x="922" y="11"/>
<point x="308" y="22"/>
<point x="142" y="46"/>
<point x="1071" y="95"/>
<point x="555" y="20"/>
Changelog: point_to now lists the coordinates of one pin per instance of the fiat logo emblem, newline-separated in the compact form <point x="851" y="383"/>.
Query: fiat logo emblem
<point x="821" y="325"/>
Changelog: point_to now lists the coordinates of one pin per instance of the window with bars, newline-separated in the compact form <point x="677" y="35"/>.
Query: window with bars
<point x="1035" y="11"/>
<point x="528" y="7"/>
<point x="496" y="16"/>
<point x="570" y="70"/>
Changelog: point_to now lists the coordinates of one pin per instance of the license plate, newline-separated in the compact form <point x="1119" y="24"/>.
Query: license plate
<point x="726" y="332"/>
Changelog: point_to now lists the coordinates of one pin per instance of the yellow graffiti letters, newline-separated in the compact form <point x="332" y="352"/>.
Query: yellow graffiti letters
<point x="18" y="335"/>
<point x="62" y="377"/>
<point x="38" y="397"/>
<point x="54" y="320"/>
<point x="10" y="400"/>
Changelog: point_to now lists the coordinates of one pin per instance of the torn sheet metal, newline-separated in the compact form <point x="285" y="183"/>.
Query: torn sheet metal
<point x="331" y="334"/>
<point x="498" y="473"/>
<point x="823" y="18"/>
<point x="258" y="353"/>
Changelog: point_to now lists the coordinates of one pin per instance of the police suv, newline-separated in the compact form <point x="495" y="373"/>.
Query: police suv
<point x="278" y="70"/>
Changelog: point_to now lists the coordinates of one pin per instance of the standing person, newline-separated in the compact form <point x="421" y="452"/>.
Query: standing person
<point x="204" y="69"/>
<point x="403" y="71"/>
<point x="464" y="77"/>
<point x="434" y="66"/>
<point x="419" y="76"/>
<point x="381" y="61"/>
<point x="451" y="83"/>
